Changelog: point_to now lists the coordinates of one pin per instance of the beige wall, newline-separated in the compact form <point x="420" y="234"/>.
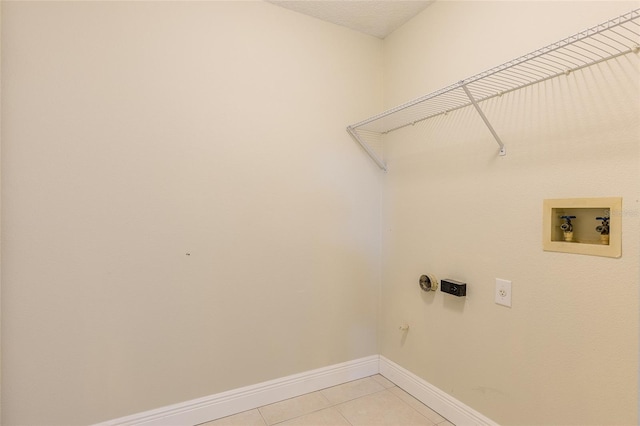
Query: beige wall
<point x="567" y="351"/>
<point x="137" y="132"/>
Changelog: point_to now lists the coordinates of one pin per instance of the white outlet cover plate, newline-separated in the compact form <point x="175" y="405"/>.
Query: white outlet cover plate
<point x="503" y="292"/>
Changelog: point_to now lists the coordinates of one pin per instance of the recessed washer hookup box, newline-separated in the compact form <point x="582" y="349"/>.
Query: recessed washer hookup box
<point x="453" y="287"/>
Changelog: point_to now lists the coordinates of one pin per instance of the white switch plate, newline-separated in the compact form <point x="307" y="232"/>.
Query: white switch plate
<point x="503" y="292"/>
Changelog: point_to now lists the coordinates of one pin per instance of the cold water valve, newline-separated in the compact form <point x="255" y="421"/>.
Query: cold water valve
<point x="567" y="227"/>
<point x="603" y="229"/>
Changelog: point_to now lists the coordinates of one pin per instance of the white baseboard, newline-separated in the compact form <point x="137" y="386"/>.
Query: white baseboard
<point x="444" y="404"/>
<point x="235" y="401"/>
<point x="224" y="404"/>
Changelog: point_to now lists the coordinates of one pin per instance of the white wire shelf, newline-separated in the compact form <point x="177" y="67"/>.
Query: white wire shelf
<point x="611" y="39"/>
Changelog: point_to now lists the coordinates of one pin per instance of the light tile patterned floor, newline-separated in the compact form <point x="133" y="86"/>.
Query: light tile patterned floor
<point x="366" y="402"/>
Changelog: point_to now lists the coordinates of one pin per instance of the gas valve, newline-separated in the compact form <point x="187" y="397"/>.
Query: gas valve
<point x="428" y="283"/>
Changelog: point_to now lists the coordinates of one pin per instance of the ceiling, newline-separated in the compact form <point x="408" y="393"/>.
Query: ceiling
<point x="378" y="18"/>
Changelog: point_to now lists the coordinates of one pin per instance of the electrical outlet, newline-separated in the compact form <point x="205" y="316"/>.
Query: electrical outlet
<point x="503" y="292"/>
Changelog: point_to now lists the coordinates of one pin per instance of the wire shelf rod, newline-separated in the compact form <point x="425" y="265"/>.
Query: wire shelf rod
<point x="503" y="68"/>
<point x="495" y="83"/>
<point x="587" y="51"/>
<point x="482" y="91"/>
<point x="624" y="46"/>
<point x="556" y="75"/>
<point x="405" y="106"/>
<point x="611" y="39"/>
<point x="573" y="59"/>
<point x="629" y="30"/>
<point x="503" y="79"/>
<point x="567" y="41"/>
<point x="518" y="73"/>
<point x="490" y="85"/>
<point x="548" y="61"/>
<point x="536" y="69"/>
<point x="413" y="123"/>
<point x="506" y="91"/>
<point x="624" y="35"/>
<point x="503" y="92"/>
<point x="546" y="68"/>
<point x="576" y="67"/>
<point x="592" y="52"/>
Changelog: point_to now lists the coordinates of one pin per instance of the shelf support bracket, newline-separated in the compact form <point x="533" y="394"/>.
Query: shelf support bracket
<point x="367" y="148"/>
<point x="484" y="118"/>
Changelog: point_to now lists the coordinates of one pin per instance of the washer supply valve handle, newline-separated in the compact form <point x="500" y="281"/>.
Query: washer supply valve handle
<point x="604" y="228"/>
<point x="567" y="226"/>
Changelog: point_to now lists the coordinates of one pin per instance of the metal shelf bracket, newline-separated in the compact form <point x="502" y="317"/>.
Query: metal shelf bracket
<point x="375" y="157"/>
<point x="484" y="117"/>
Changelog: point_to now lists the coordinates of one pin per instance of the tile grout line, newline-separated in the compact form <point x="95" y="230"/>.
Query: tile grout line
<point x="342" y="415"/>
<point x="331" y="404"/>
<point x="415" y="409"/>
<point x="395" y="396"/>
<point x="335" y="405"/>
<point x="362" y="396"/>
<point x="358" y="397"/>
<point x="262" y="416"/>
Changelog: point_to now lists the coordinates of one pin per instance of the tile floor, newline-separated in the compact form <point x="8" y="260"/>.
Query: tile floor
<point x="366" y="402"/>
